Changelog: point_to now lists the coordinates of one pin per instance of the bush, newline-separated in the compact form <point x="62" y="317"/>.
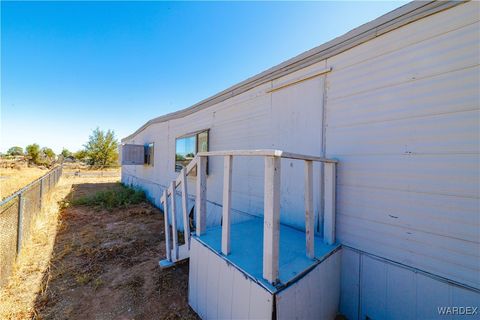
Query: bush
<point x="33" y="152"/>
<point x="80" y="155"/>
<point x="113" y="198"/>
<point x="15" y="151"/>
<point x="66" y="153"/>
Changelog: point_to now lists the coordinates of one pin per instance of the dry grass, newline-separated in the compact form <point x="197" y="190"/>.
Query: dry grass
<point x="18" y="296"/>
<point x="85" y="262"/>
<point x="81" y="167"/>
<point x="81" y="170"/>
<point x="13" y="179"/>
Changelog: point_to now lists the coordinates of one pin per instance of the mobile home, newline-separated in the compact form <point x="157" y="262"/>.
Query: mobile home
<point x="344" y="180"/>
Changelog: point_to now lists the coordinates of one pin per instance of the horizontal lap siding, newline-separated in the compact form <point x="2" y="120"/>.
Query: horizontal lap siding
<point x="151" y="178"/>
<point x="402" y="116"/>
<point x="387" y="290"/>
<point x="289" y="119"/>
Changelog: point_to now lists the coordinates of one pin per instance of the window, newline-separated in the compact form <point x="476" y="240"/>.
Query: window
<point x="148" y="154"/>
<point x="186" y="147"/>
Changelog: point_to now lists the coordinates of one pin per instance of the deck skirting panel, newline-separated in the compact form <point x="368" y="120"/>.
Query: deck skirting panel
<point x="217" y="289"/>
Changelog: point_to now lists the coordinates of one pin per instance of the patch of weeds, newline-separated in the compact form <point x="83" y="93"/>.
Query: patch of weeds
<point x="97" y="283"/>
<point x="118" y="197"/>
<point x="63" y="204"/>
<point x="82" y="279"/>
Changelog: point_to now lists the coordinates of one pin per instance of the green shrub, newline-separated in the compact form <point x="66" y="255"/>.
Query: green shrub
<point x="113" y="198"/>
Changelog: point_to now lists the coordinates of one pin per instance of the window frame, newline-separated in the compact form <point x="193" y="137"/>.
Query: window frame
<point x="189" y="135"/>
<point x="149" y="154"/>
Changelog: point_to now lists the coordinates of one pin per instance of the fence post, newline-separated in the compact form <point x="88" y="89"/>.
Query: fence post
<point x="227" y="199"/>
<point x="21" y="201"/>
<point x="41" y="193"/>
<point x="200" y="200"/>
<point x="271" y="219"/>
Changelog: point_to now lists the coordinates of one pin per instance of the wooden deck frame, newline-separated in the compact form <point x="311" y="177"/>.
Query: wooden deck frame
<point x="309" y="213"/>
<point x="227" y="199"/>
<point x="271" y="231"/>
<point x="174" y="251"/>
<point x="271" y="219"/>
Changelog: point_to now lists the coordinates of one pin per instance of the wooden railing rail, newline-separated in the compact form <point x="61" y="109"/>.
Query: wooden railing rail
<point x="271" y="229"/>
<point x="171" y="235"/>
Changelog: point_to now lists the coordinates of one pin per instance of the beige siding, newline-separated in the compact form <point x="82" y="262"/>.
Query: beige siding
<point x="379" y="289"/>
<point x="255" y="119"/>
<point x="402" y="116"/>
<point x="218" y="290"/>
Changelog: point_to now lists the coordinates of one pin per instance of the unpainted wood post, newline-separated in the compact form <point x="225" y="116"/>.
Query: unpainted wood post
<point x="167" y="225"/>
<point x="201" y="200"/>
<point x="227" y="199"/>
<point x="329" y="203"/>
<point x="186" y="219"/>
<point x="174" y="222"/>
<point x="21" y="202"/>
<point x="309" y="213"/>
<point x="271" y="220"/>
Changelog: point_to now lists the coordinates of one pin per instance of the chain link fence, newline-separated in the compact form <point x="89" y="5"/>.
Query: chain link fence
<point x="17" y="213"/>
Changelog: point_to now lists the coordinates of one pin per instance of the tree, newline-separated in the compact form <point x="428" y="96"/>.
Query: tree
<point x="66" y="153"/>
<point x="15" y="151"/>
<point x="33" y="152"/>
<point x="80" y="155"/>
<point x="48" y="153"/>
<point x="102" y="148"/>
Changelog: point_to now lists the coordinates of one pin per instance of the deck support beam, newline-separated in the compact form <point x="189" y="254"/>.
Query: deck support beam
<point x="309" y="213"/>
<point x="167" y="225"/>
<point x="329" y="203"/>
<point x="271" y="222"/>
<point x="201" y="198"/>
<point x="174" y="222"/>
<point x="227" y="199"/>
<point x="186" y="218"/>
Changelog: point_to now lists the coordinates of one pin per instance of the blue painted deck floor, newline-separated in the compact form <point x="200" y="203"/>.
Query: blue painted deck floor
<point x="247" y="250"/>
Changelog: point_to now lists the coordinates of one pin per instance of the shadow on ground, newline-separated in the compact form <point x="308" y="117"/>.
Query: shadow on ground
<point x="105" y="265"/>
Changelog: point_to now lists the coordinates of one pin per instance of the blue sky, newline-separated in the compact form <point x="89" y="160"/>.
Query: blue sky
<point x="68" y="67"/>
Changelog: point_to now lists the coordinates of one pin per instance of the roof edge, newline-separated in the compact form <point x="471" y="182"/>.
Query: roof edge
<point x="397" y="18"/>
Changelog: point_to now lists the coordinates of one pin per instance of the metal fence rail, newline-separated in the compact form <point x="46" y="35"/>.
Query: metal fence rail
<point x="108" y="174"/>
<point x="17" y="213"/>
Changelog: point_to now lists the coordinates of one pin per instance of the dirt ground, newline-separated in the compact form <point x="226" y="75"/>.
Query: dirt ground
<point x="103" y="265"/>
